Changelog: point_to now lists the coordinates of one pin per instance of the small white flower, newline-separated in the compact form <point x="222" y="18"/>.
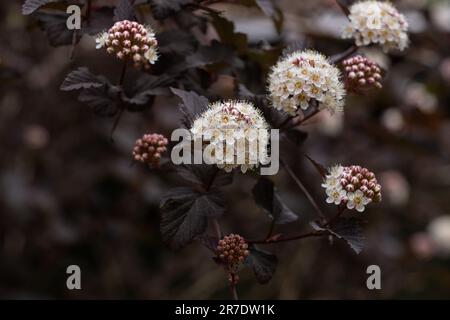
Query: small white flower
<point x="151" y="55"/>
<point x="355" y="186"/>
<point x="302" y="77"/>
<point x="240" y="129"/>
<point x="336" y="171"/>
<point x="357" y="200"/>
<point x="331" y="182"/>
<point x="335" y="195"/>
<point x="101" y="40"/>
<point x="377" y="22"/>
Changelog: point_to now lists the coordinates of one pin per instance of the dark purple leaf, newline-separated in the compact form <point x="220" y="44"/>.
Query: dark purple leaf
<point x="162" y="9"/>
<point x="266" y="197"/>
<point x="225" y="29"/>
<point x="206" y="176"/>
<point x="81" y="78"/>
<point x="176" y="41"/>
<point x="351" y="231"/>
<point x="55" y="26"/>
<point x="272" y="115"/>
<point x="103" y="100"/>
<point x="124" y="11"/>
<point x="184" y="215"/>
<point x="209" y="241"/>
<point x="146" y="87"/>
<point x="216" y="52"/>
<point x="263" y="264"/>
<point x="192" y="106"/>
<point x="100" y="20"/>
<point x="30" y="6"/>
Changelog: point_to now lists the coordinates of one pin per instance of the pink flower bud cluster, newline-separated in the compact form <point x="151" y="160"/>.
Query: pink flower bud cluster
<point x="130" y="40"/>
<point x="354" y="186"/>
<point x="358" y="178"/>
<point x="149" y="148"/>
<point x="361" y="73"/>
<point x="232" y="250"/>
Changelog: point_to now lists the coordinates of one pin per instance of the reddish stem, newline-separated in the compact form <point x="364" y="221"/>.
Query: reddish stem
<point x="296" y="237"/>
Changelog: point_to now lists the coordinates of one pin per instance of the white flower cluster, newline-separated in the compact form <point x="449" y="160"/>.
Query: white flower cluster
<point x="129" y="39"/>
<point x="302" y="77"/>
<point x="354" y="186"/>
<point x="377" y="22"/>
<point x="236" y="134"/>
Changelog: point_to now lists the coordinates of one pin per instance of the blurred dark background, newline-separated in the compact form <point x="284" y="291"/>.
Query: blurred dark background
<point x="70" y="195"/>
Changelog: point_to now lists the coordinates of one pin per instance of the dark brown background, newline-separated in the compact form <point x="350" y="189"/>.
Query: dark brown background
<point x="68" y="195"/>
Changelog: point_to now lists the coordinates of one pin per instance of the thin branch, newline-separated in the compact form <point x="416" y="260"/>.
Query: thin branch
<point x="291" y="238"/>
<point x="74" y="44"/>
<point x="304" y="189"/>
<point x="343" y="7"/>
<point x="233" y="289"/>
<point x="204" y="8"/>
<point x="122" y="74"/>
<point x="297" y="120"/>
<point x="309" y="116"/>
<point x="217" y="228"/>
<point x="272" y="226"/>
<point x="337" y="58"/>
<point x="208" y="2"/>
<point x="121" y="107"/>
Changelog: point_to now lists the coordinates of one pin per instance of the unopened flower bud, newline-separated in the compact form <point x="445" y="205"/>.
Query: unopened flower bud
<point x="126" y="39"/>
<point x="148" y="149"/>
